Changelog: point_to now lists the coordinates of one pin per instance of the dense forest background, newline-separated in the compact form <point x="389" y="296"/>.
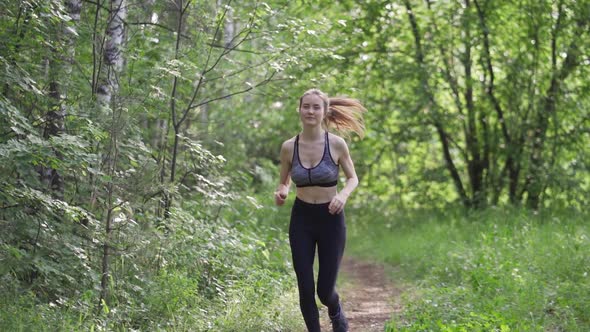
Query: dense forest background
<point x="139" y="141"/>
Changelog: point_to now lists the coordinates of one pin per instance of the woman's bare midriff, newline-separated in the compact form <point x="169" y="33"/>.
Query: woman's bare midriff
<point x="316" y="195"/>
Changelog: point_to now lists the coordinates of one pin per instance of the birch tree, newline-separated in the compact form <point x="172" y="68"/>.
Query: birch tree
<point x="107" y="93"/>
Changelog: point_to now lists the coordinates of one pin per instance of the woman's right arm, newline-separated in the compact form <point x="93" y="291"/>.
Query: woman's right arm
<point x="285" y="173"/>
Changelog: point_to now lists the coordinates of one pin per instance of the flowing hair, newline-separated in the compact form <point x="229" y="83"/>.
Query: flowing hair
<point x="341" y="113"/>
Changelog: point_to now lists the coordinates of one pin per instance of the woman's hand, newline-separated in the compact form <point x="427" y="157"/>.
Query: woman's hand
<point x="281" y="195"/>
<point x="337" y="204"/>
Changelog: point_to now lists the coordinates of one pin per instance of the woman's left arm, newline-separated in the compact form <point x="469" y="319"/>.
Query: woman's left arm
<point x="337" y="204"/>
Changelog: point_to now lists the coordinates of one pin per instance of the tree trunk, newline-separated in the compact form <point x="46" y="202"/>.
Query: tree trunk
<point x="442" y="134"/>
<point x="474" y="162"/>
<point x="181" y="8"/>
<point x="59" y="68"/>
<point x="108" y="89"/>
<point x="538" y="174"/>
<point x="112" y="57"/>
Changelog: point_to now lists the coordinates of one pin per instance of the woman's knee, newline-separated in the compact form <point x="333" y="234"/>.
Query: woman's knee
<point x="327" y="296"/>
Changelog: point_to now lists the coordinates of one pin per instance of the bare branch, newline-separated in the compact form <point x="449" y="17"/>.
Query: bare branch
<point x="261" y="83"/>
<point x="443" y="136"/>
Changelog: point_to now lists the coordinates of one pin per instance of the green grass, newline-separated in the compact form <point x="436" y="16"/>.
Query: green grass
<point x="498" y="270"/>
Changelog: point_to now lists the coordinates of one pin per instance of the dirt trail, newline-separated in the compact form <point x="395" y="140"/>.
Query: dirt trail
<point x="369" y="297"/>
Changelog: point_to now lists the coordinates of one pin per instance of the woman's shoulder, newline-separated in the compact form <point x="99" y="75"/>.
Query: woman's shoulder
<point x="337" y="142"/>
<point x="288" y="144"/>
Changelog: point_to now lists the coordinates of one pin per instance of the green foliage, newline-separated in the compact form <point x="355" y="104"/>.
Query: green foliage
<point x="203" y="276"/>
<point x="193" y="267"/>
<point x="431" y="75"/>
<point x="503" y="270"/>
<point x="166" y="190"/>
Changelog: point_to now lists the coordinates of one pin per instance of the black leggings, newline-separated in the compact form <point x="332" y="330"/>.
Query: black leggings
<point x="311" y="225"/>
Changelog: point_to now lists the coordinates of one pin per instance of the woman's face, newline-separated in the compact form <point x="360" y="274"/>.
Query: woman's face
<point x="311" y="111"/>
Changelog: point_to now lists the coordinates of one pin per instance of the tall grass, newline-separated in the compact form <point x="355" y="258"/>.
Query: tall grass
<point x="498" y="270"/>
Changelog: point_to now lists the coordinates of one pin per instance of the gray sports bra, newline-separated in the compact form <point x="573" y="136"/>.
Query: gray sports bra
<point x="324" y="174"/>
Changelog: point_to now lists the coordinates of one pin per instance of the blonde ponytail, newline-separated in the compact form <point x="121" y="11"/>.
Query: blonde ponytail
<point x="345" y="115"/>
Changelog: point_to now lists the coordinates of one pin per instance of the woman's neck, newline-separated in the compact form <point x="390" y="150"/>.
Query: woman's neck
<point x="312" y="133"/>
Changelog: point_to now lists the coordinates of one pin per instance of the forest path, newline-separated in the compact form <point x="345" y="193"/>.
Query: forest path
<point x="369" y="297"/>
